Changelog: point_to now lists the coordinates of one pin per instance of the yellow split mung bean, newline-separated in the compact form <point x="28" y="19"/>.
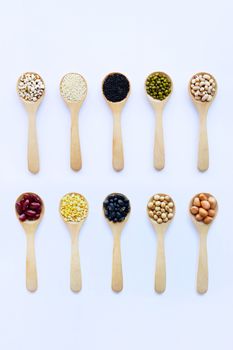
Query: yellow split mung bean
<point x="74" y="207"/>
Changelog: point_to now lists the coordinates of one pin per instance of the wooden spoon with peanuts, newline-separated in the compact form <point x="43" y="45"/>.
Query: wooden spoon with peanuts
<point x="161" y="211"/>
<point x="203" y="209"/>
<point x="116" y="223"/>
<point x="74" y="211"/>
<point x="31" y="90"/>
<point x="202" y="100"/>
<point x="158" y="106"/>
<point x="116" y="104"/>
<point x="29" y="211"/>
<point x="73" y="89"/>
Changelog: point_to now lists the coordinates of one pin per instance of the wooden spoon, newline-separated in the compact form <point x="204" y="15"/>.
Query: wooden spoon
<point x="202" y="108"/>
<point x="73" y="88"/>
<point x="160" y="269"/>
<point x="202" y="228"/>
<point x="75" y="266"/>
<point x="117" y="228"/>
<point x="30" y="228"/>
<point x="158" y="106"/>
<point x="117" y="145"/>
<point x="33" y="151"/>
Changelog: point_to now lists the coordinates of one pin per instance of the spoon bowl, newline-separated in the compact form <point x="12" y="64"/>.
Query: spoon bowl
<point x="158" y="106"/>
<point x="30" y="227"/>
<point x="160" y="229"/>
<point x="202" y="108"/>
<point x="74" y="228"/>
<point x="116" y="108"/>
<point x="31" y="108"/>
<point x="202" y="229"/>
<point x="73" y="89"/>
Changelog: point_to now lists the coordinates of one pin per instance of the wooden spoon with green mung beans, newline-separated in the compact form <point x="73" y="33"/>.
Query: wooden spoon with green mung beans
<point x="158" y="87"/>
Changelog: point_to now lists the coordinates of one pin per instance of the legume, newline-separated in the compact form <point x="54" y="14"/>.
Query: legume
<point x="161" y="208"/>
<point x="116" y="87"/>
<point x="73" y="87"/>
<point x="73" y="207"/>
<point x="203" y="208"/>
<point x="29" y="207"/>
<point x="30" y="87"/>
<point x="203" y="87"/>
<point x="116" y="207"/>
<point x="158" y="85"/>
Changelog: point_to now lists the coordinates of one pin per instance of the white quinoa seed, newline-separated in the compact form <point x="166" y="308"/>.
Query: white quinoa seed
<point x="73" y="87"/>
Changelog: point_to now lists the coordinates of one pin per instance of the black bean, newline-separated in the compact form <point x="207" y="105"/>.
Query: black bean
<point x="116" y="207"/>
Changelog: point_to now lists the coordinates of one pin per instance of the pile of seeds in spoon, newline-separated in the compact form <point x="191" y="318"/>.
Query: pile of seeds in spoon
<point x="29" y="207"/>
<point x="203" y="87"/>
<point x="116" y="207"/>
<point x="115" y="87"/>
<point x="158" y="86"/>
<point x="204" y="208"/>
<point x="161" y="208"/>
<point x="73" y="87"/>
<point x="30" y="87"/>
<point x="74" y="207"/>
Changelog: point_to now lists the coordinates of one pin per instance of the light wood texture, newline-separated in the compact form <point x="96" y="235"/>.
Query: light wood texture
<point x="33" y="150"/>
<point x="160" y="266"/>
<point x="117" y="143"/>
<point x="203" y="147"/>
<point x="75" y="266"/>
<point x="158" y="106"/>
<point x="75" y="148"/>
<point x="117" y="275"/>
<point x="30" y="228"/>
<point x="202" y="272"/>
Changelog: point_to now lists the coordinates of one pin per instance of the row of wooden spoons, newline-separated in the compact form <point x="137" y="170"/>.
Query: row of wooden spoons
<point x="73" y="88"/>
<point x="116" y="208"/>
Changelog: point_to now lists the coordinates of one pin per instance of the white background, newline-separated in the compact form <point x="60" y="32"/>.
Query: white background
<point x="95" y="38"/>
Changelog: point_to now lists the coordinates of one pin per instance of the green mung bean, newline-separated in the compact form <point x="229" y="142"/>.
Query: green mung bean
<point x="158" y="86"/>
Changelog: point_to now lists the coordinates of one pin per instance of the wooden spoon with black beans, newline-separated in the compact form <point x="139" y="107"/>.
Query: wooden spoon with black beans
<point x="116" y="207"/>
<point x="116" y="89"/>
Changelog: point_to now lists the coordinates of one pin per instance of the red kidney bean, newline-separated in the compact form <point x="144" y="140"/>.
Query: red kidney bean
<point x="35" y="198"/>
<point x="35" y="205"/>
<point x="30" y="213"/>
<point x="19" y="208"/>
<point x="26" y="205"/>
<point x="22" y="217"/>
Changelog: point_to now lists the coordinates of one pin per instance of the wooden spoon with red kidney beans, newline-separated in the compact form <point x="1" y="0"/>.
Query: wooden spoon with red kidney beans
<point x="29" y="209"/>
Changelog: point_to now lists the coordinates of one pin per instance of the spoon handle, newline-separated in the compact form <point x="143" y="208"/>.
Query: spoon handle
<point x="75" y="149"/>
<point x="160" y="270"/>
<point x="118" y="154"/>
<point x="117" y="277"/>
<point x="33" y="152"/>
<point x="31" y="273"/>
<point x="159" y="157"/>
<point x="75" y="267"/>
<point x="203" y="151"/>
<point x="202" y="274"/>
